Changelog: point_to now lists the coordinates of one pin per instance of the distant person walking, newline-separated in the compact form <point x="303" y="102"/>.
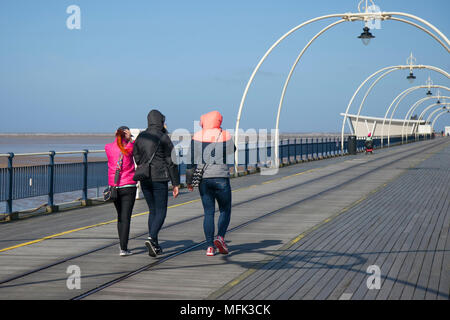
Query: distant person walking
<point x="209" y="150"/>
<point x="120" y="156"/>
<point x="369" y="143"/>
<point x="154" y="144"/>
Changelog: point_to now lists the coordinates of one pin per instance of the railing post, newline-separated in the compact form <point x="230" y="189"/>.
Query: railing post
<point x="328" y="147"/>
<point x="301" y="150"/>
<point x="10" y="186"/>
<point x="51" y="178"/>
<point x="246" y="157"/>
<point x="339" y="150"/>
<point x="84" y="197"/>
<point x="322" y="148"/>
<point x="335" y="146"/>
<point x="257" y="154"/>
<point x="289" y="151"/>
<point x="295" y="151"/>
<point x="311" y="143"/>
<point x="317" y="148"/>
<point x="280" y="149"/>
<point x="180" y="155"/>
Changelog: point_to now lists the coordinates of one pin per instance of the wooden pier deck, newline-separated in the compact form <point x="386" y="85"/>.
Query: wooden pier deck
<point x="309" y="232"/>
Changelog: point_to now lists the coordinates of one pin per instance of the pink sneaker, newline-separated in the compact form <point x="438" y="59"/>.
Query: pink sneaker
<point x="211" y="251"/>
<point x="221" y="245"/>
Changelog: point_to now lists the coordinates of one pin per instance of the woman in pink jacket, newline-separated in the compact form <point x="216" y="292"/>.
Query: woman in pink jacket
<point x="120" y="156"/>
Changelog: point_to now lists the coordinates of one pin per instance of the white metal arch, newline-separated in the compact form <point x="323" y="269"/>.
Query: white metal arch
<point x="422" y="115"/>
<point x="441" y="105"/>
<point x="400" y="97"/>
<point x="394" y="68"/>
<point x="436" y="111"/>
<point x="437" y="117"/>
<point x="348" y="17"/>
<point x="413" y="108"/>
<point x="288" y="79"/>
<point x="386" y="73"/>
<point x="283" y="93"/>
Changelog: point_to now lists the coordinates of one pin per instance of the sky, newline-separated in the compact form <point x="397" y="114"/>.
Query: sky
<point x="186" y="58"/>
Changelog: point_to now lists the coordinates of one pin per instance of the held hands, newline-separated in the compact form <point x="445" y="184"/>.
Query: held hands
<point x="175" y="191"/>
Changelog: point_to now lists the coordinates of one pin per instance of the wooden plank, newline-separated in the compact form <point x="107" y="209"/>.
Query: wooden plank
<point x="358" y="244"/>
<point x="356" y="276"/>
<point x="427" y="248"/>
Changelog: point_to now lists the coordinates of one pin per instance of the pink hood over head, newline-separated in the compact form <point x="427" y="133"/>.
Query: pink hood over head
<point x="210" y="123"/>
<point x="211" y="120"/>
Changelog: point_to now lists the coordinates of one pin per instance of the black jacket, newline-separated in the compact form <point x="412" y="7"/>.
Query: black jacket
<point x="163" y="167"/>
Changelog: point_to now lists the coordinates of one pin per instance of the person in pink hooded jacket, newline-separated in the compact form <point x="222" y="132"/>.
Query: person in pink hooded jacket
<point x="120" y="156"/>
<point x="212" y="148"/>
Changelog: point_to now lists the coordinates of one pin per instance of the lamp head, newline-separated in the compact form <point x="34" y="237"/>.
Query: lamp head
<point x="411" y="77"/>
<point x="366" y="36"/>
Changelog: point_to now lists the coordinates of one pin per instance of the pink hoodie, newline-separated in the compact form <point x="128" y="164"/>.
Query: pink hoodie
<point x="210" y="123"/>
<point x="128" y="168"/>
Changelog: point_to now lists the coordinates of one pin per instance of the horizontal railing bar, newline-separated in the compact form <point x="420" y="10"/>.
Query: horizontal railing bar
<point x="32" y="154"/>
<point x="49" y="153"/>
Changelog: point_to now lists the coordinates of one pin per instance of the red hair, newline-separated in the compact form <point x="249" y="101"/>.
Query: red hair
<point x="120" y="135"/>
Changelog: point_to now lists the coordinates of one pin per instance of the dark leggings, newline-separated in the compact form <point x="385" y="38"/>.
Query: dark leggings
<point x="124" y="206"/>
<point x="156" y="195"/>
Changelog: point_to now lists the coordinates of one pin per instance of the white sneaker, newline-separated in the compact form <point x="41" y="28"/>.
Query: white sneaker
<point x="124" y="253"/>
<point x="211" y="251"/>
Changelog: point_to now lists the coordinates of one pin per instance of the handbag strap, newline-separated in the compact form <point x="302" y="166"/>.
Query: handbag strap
<point x="154" y="153"/>
<point x="217" y="139"/>
<point x="118" y="168"/>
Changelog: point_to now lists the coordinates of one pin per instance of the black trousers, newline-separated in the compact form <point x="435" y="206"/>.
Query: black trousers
<point x="156" y="194"/>
<point x="124" y="207"/>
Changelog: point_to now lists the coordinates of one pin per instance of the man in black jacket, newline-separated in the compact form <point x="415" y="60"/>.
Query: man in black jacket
<point x="155" y="141"/>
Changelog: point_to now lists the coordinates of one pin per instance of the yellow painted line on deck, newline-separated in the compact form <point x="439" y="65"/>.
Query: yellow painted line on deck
<point x="56" y="235"/>
<point x="87" y="227"/>
<point x="138" y="214"/>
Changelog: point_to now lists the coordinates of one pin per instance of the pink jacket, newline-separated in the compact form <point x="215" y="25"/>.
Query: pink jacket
<point x="128" y="168"/>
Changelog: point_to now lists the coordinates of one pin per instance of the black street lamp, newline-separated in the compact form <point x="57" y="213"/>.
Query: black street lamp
<point x="411" y="77"/>
<point x="366" y="36"/>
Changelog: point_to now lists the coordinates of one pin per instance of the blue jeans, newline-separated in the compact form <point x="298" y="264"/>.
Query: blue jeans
<point x="156" y="195"/>
<point x="212" y="189"/>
